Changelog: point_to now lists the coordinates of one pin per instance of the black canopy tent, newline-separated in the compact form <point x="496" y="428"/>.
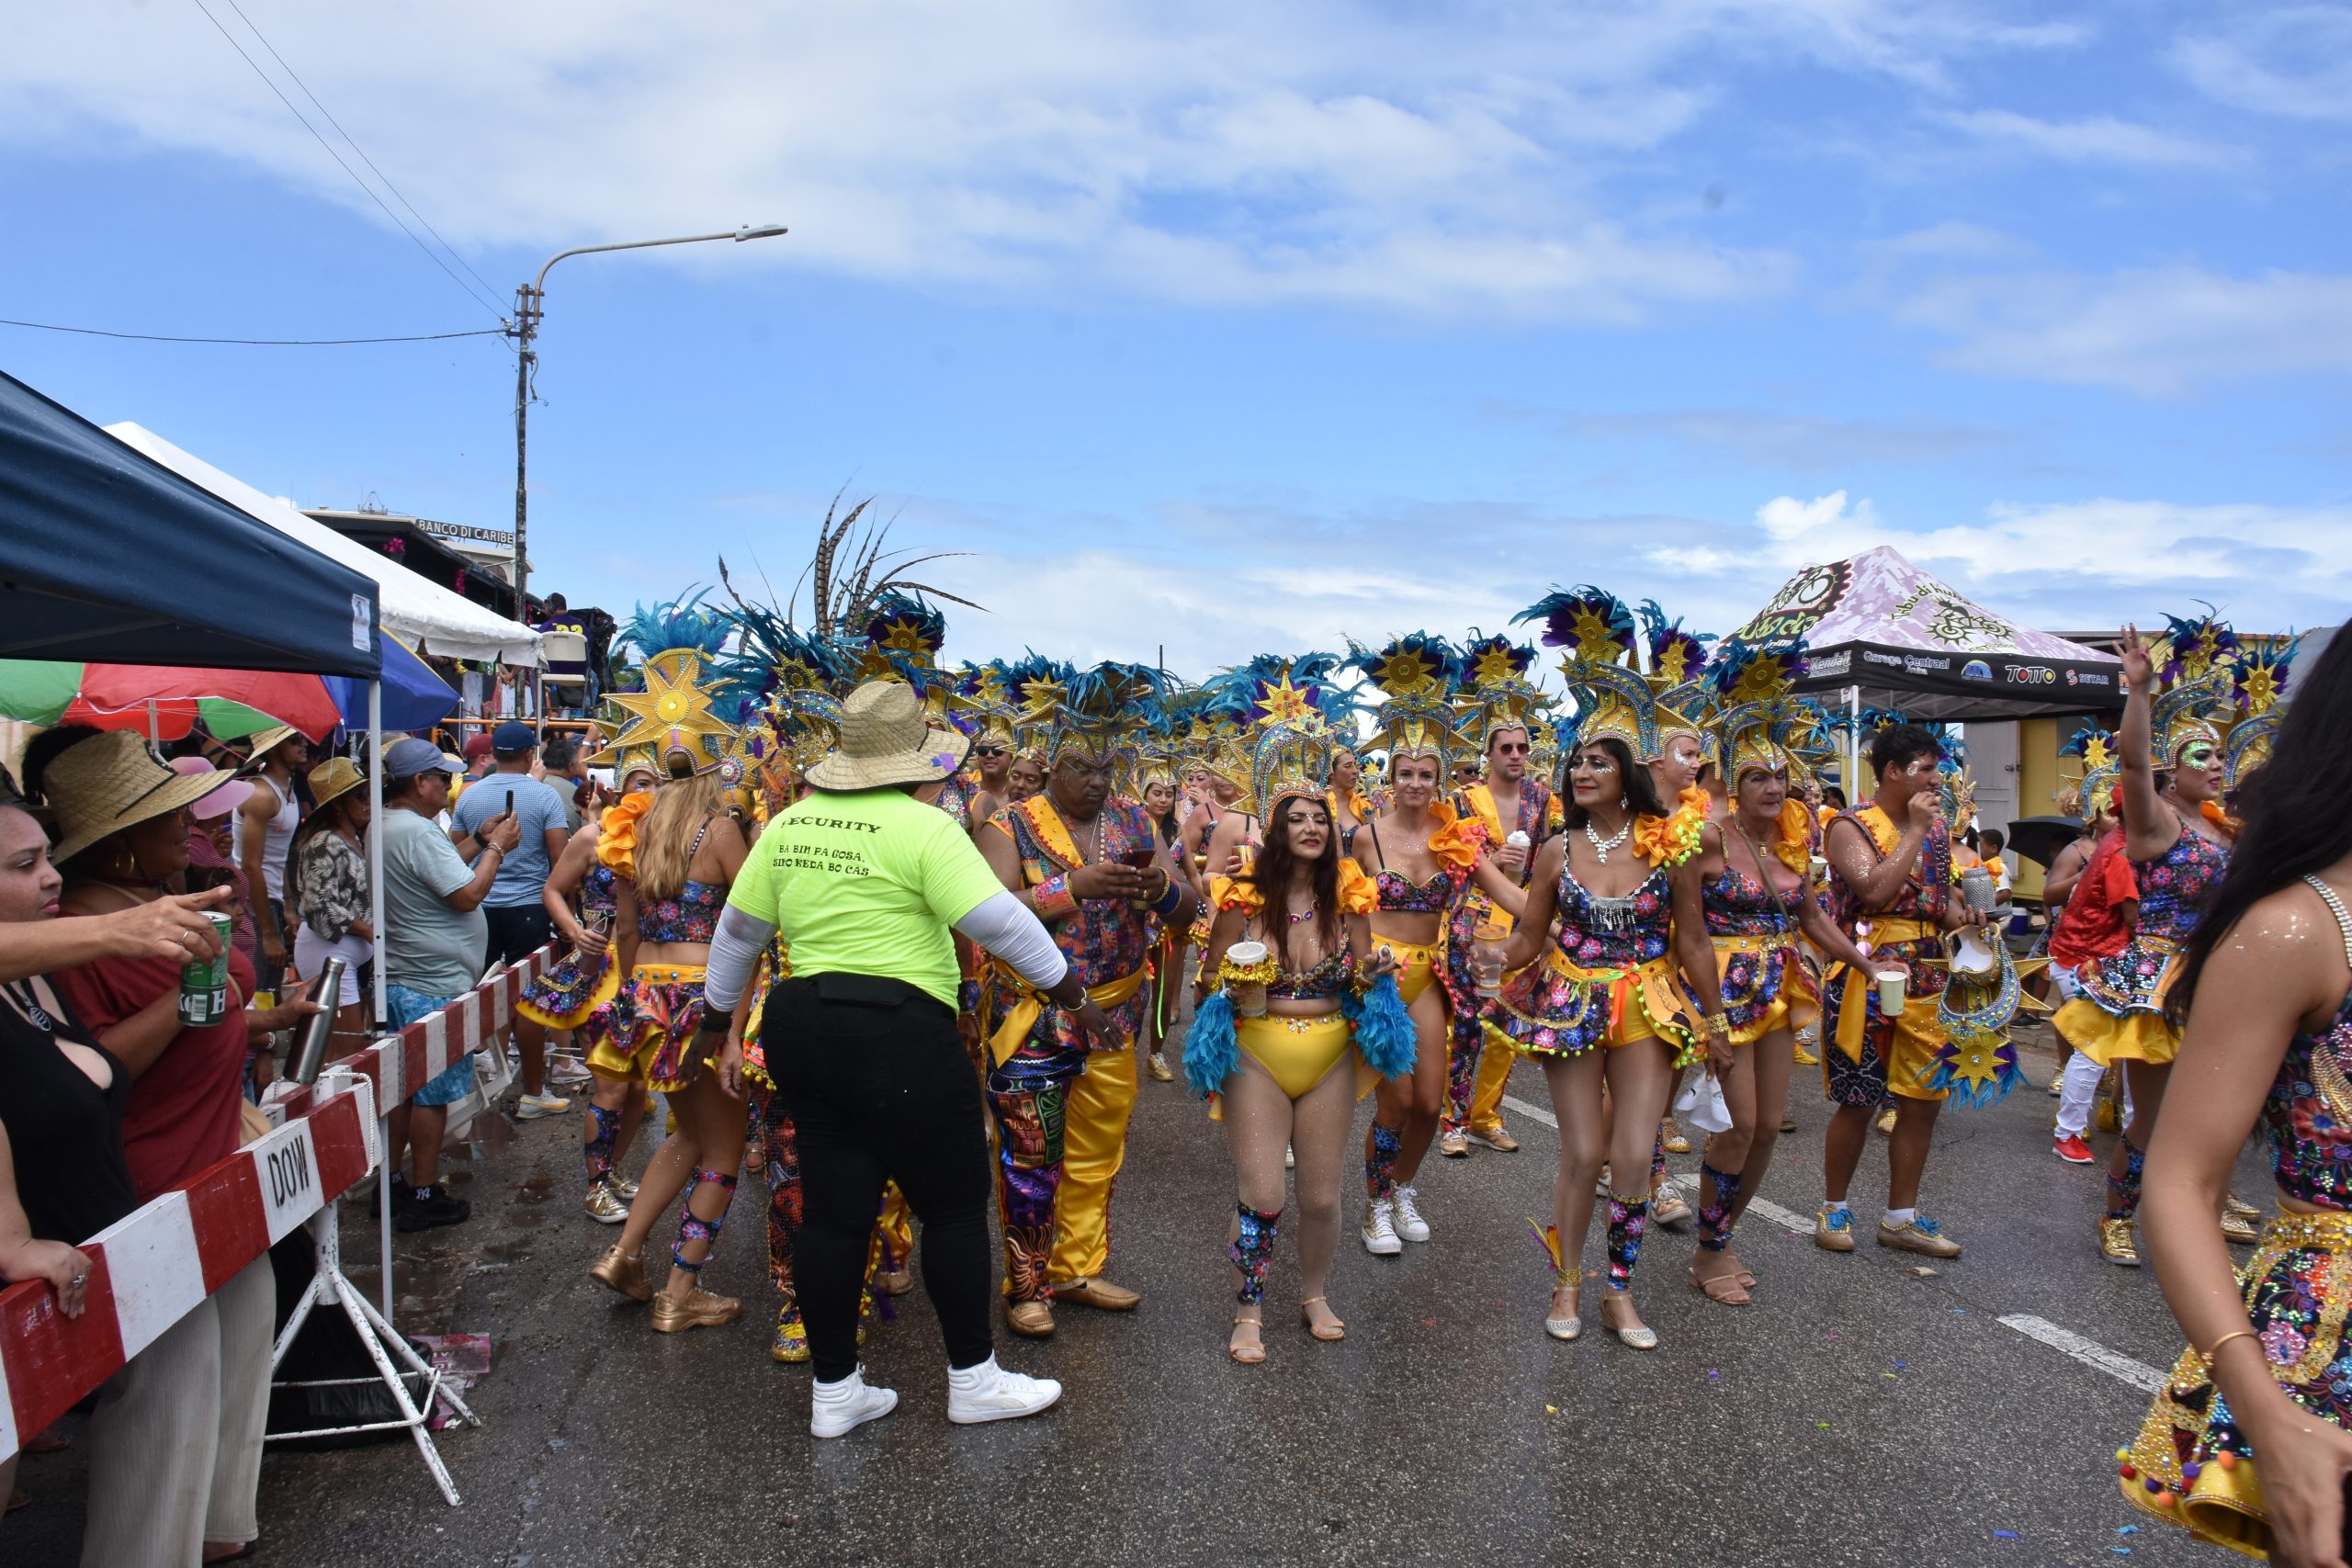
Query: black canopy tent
<point x="105" y="556"/>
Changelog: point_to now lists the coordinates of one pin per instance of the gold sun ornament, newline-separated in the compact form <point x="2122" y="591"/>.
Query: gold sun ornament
<point x="673" y="710"/>
<point x="1283" y="703"/>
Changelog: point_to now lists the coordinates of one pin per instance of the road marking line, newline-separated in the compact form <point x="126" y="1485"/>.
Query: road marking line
<point x="1533" y="1112"/>
<point x="2089" y="1352"/>
<point x="2139" y="1374"/>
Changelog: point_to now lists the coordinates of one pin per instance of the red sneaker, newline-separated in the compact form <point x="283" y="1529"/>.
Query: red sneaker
<point x="2072" y="1150"/>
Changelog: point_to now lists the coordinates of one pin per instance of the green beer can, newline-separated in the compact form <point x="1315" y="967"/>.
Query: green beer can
<point x="204" y="982"/>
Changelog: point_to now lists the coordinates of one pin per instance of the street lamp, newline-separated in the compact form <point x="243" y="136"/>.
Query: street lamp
<point x="529" y="306"/>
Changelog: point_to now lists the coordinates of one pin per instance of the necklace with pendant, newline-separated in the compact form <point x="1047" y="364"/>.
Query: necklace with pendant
<point x="1600" y="846"/>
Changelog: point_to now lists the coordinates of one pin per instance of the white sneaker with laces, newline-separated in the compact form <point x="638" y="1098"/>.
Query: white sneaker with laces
<point x="1409" y="1224"/>
<point x="838" y="1408"/>
<point x="1380" y="1229"/>
<point x="532" y="1107"/>
<point x="989" y="1392"/>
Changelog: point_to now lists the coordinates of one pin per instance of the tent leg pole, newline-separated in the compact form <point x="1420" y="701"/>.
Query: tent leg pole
<point x="1853" y="745"/>
<point x="379" y="1010"/>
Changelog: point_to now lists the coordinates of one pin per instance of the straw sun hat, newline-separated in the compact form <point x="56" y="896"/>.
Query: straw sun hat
<point x="110" y="781"/>
<point x="885" y="741"/>
<point x="333" y="778"/>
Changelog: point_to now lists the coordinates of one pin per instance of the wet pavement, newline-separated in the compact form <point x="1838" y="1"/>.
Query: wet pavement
<point x="1861" y="1412"/>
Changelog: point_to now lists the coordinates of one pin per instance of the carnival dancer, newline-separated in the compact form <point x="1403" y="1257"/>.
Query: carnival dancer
<point x="1092" y="868"/>
<point x="1421" y="857"/>
<point x="675" y="853"/>
<point x="1678" y="662"/>
<point x="1514" y="813"/>
<point x="1240" y="701"/>
<point x="2247" y="1444"/>
<point x="984" y="710"/>
<point x="1281" y="1042"/>
<point x="1760" y="898"/>
<point x="1350" y="807"/>
<point x="2177" y="838"/>
<point x="582" y="992"/>
<point x="2092" y="898"/>
<point x="1899" y="881"/>
<point x="1157" y="775"/>
<point x="1613" y="910"/>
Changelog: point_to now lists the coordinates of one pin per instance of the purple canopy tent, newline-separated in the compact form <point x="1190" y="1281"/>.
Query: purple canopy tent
<point x="1879" y="632"/>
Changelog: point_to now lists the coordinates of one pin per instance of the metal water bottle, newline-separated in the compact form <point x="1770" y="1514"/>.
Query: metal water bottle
<point x="320" y="1032"/>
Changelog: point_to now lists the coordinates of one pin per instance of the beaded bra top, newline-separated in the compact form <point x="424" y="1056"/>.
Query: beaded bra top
<point x="1599" y="932"/>
<point x="2308" y="1114"/>
<point x="1739" y="905"/>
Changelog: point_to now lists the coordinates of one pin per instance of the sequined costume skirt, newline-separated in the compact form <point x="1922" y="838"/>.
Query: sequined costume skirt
<point x="2190" y="1465"/>
<point x="1766" y="986"/>
<point x="665" y="1008"/>
<point x="571" y="990"/>
<point x="1556" y="1008"/>
<point x="2120" y="1013"/>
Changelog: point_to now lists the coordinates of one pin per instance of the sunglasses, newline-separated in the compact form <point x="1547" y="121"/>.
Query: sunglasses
<point x="990" y="751"/>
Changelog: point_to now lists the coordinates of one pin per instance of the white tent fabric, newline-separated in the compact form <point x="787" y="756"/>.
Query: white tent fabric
<point x="419" y="613"/>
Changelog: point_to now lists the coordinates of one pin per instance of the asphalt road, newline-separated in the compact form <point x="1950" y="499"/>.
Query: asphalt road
<point x="1861" y="1412"/>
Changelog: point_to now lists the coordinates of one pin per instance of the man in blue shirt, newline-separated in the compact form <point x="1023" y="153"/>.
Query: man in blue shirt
<point x="518" y="919"/>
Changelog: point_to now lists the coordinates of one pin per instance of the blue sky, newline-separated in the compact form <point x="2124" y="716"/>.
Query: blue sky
<point x="1228" y="332"/>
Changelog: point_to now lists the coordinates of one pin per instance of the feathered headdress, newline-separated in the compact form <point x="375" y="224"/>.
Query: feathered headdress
<point x="1763" y="721"/>
<point x="1594" y="631"/>
<point x="2101" y="768"/>
<point x="790" y="684"/>
<point x="678" y="715"/>
<point x="2259" y="683"/>
<point x="1096" y="712"/>
<point x="1298" y="695"/>
<point x="983" y="703"/>
<point x="1492" y="691"/>
<point x="1415" y="676"/>
<point x="1678" y="660"/>
<point x="2195" y="703"/>
<point x="1957" y="790"/>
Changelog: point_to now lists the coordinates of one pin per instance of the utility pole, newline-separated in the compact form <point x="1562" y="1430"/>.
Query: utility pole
<point x="530" y="305"/>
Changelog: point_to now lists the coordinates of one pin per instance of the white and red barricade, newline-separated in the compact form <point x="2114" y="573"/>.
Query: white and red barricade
<point x="150" y="1268"/>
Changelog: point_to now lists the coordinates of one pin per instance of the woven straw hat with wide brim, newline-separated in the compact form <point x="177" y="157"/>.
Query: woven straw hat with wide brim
<point x="333" y="778"/>
<point x="110" y="782"/>
<point x="887" y="741"/>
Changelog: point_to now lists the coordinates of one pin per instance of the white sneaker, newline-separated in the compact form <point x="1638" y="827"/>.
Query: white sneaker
<point x="568" y="1069"/>
<point x="1380" y="1229"/>
<point x="989" y="1392"/>
<point x="532" y="1107"/>
<point x="838" y="1408"/>
<point x="1409" y="1224"/>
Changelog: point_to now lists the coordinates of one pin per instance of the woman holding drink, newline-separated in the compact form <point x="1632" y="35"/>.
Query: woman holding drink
<point x="1614" y="909"/>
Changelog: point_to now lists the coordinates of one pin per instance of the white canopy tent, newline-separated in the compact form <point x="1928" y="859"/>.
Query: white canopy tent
<point x="422" y="613"/>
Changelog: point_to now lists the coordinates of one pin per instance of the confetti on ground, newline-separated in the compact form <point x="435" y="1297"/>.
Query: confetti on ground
<point x="1925" y="1273"/>
<point x="1551" y="1410"/>
<point x="1713" y="1374"/>
<point x="2120" y="1550"/>
<point x="1823" y="1425"/>
<point x="2127" y="1529"/>
<point x="1889" y="1376"/>
<point x="1898" y="1366"/>
<point x="2004" y="1535"/>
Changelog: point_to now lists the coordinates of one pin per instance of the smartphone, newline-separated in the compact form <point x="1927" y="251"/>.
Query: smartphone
<point x="1139" y="859"/>
<point x="510" y="803"/>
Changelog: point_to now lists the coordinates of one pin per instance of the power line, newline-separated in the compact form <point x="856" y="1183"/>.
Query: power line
<point x="356" y="148"/>
<point x="255" y="341"/>
<point x="338" y="157"/>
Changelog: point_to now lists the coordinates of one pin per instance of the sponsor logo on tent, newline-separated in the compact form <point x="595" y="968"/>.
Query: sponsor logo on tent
<point x="1800" y="605"/>
<point x="1977" y="670"/>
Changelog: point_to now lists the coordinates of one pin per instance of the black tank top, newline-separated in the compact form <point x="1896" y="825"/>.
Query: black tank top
<point x="64" y="1132"/>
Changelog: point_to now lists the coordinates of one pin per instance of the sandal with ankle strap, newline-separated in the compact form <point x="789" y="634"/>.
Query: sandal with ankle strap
<point x="1253" y="1352"/>
<point x="1330" y="1332"/>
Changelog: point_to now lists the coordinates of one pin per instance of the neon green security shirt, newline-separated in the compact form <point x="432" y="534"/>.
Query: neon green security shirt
<point x="867" y="884"/>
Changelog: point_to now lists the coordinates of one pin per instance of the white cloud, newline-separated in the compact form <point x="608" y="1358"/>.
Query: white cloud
<point x="2160" y="333"/>
<point x="2099" y="140"/>
<point x="1333" y="151"/>
<point x="2295" y="62"/>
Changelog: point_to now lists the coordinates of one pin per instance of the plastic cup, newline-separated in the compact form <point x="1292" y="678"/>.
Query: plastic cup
<point x="1890" y="991"/>
<point x="1486" y="956"/>
<point x="1249" y="996"/>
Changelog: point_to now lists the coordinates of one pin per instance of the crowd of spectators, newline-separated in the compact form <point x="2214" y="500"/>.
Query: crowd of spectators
<point x="114" y="865"/>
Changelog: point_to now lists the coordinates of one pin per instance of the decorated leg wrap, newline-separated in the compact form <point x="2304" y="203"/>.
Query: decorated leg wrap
<point x="1714" y="1219"/>
<point x="786" y="1207"/>
<point x="1380" y="1165"/>
<point x="598" y="1149"/>
<point x="691" y="1227"/>
<point x="2123" y="1192"/>
<point x="1026" y="1249"/>
<point x="1629" y="1220"/>
<point x="1253" y="1249"/>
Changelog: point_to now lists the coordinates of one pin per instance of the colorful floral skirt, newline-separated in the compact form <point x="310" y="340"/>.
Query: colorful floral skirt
<point x="2121" y="1014"/>
<point x="2190" y="1465"/>
<point x="1766" y="986"/>
<point x="571" y="990"/>
<point x="1556" y="1008"/>
<point x="664" y="1012"/>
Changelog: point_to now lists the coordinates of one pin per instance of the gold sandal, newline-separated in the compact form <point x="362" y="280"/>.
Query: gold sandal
<point x="1330" y="1332"/>
<point x="1251" y="1353"/>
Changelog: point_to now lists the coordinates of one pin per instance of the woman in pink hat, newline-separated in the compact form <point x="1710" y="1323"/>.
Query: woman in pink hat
<point x="212" y="848"/>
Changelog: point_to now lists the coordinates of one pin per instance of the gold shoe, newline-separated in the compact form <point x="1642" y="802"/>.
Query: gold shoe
<point x="1330" y="1332"/>
<point x="1453" y="1145"/>
<point x="893" y="1281"/>
<point x="2240" y="1230"/>
<point x="1920" y="1234"/>
<point x="1806" y="1058"/>
<point x="2234" y="1204"/>
<point x="1886" y="1121"/>
<point x="1670" y="1207"/>
<point x="2115" y="1244"/>
<point x="1159" y="1070"/>
<point x="699" y="1309"/>
<point x="1098" y="1294"/>
<point x="1497" y="1137"/>
<point x="790" y="1344"/>
<point x="1676" y="1143"/>
<point x="624" y="1272"/>
<point x="604" y="1205"/>
<point x="1031" y="1320"/>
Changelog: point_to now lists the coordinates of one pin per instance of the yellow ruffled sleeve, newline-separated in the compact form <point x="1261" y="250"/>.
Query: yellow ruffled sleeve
<point x="616" y="834"/>
<point x="1228" y="893"/>
<point x="1358" y="894"/>
<point x="1669" y="840"/>
<point x="1455" y="842"/>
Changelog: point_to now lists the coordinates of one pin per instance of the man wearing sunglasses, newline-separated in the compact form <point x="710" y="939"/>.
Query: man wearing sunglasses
<point x="1505" y="802"/>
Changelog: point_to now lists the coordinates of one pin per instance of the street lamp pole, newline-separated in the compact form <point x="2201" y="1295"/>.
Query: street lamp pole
<point x="530" y="304"/>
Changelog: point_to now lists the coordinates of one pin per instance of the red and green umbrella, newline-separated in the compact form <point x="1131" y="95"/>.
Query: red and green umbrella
<point x="165" y="701"/>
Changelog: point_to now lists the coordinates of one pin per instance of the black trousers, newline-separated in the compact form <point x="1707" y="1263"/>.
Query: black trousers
<point x="881" y="1091"/>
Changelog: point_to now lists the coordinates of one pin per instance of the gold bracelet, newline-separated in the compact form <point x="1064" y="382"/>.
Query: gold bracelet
<point x="2233" y="1334"/>
<point x="1717" y="1022"/>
